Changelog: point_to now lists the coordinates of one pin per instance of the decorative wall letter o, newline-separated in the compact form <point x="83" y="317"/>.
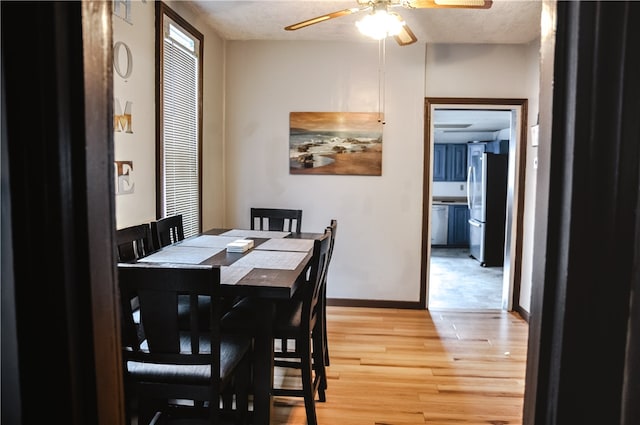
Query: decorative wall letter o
<point x="116" y="60"/>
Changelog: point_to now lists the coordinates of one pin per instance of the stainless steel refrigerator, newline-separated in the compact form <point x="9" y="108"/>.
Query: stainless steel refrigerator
<point x="486" y="198"/>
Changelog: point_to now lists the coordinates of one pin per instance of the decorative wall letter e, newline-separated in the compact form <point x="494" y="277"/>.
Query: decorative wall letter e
<point x="124" y="181"/>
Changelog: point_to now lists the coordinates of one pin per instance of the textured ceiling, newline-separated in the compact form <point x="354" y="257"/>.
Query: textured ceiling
<point x="460" y="125"/>
<point x="506" y="22"/>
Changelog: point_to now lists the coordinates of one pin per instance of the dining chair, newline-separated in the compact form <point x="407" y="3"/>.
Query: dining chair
<point x="333" y="226"/>
<point x="166" y="418"/>
<point x="167" y="230"/>
<point x="300" y="320"/>
<point x="276" y="219"/>
<point x="171" y="363"/>
<point x="134" y="242"/>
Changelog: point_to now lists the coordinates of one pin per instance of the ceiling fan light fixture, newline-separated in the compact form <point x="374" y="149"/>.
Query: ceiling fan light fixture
<point x="379" y="24"/>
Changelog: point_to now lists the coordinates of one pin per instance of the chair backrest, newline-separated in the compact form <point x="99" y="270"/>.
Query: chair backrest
<point x="276" y="219"/>
<point x="314" y="286"/>
<point x="167" y="230"/>
<point x="134" y="242"/>
<point x="333" y="226"/>
<point x="159" y="289"/>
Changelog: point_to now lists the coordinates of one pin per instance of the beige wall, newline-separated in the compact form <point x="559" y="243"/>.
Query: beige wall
<point x="140" y="206"/>
<point x="213" y="177"/>
<point x="533" y="81"/>
<point x="494" y="71"/>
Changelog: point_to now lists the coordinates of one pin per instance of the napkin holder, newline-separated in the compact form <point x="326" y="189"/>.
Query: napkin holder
<point x="240" y="245"/>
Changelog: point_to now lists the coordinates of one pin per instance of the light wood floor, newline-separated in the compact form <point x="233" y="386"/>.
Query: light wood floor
<point x="410" y="367"/>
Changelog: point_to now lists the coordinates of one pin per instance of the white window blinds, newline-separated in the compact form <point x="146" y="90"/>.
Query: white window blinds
<point x="180" y="107"/>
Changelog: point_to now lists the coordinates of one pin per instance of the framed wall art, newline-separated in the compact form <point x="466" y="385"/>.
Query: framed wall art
<point x="342" y="143"/>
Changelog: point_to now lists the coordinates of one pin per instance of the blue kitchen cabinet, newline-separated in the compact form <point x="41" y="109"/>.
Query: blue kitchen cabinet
<point x="458" y="226"/>
<point x="439" y="162"/>
<point x="449" y="162"/>
<point x="457" y="162"/>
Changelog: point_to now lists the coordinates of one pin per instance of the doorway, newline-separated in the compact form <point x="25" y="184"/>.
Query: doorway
<point x="453" y="277"/>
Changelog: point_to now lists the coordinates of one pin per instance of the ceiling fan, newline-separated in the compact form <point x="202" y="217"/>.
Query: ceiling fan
<point x="381" y="21"/>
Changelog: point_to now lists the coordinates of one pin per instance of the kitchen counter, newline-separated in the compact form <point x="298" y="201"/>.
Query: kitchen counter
<point x="443" y="200"/>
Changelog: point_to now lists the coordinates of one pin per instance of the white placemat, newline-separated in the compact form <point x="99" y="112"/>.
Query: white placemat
<point x="302" y="245"/>
<point x="233" y="275"/>
<point x="181" y="255"/>
<point x="285" y="260"/>
<point x="208" y="241"/>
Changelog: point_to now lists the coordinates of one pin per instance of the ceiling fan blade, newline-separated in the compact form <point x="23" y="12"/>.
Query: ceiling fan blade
<point x="406" y="36"/>
<point x="322" y="18"/>
<point x="460" y="4"/>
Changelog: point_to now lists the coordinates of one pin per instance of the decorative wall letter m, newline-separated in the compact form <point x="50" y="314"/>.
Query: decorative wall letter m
<point x="122" y="121"/>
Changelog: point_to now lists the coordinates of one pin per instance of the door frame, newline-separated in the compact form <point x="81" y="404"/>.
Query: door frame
<point x="515" y="195"/>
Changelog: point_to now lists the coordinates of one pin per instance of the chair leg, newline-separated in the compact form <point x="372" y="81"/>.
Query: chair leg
<point x="243" y="382"/>
<point x="307" y="382"/>
<point x="227" y="398"/>
<point x="318" y="364"/>
<point x="326" y="346"/>
<point x="148" y="407"/>
<point x="130" y="404"/>
<point x="325" y="342"/>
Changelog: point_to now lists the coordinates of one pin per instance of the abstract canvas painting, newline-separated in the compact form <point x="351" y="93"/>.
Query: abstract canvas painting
<point x="344" y="143"/>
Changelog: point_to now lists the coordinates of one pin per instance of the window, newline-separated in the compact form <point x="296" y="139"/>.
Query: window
<point x="179" y="117"/>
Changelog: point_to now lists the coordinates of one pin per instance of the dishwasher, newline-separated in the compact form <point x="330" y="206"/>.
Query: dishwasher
<point x="439" y="224"/>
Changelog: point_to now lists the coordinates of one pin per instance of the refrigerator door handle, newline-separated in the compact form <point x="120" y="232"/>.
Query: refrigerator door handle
<point x="469" y="188"/>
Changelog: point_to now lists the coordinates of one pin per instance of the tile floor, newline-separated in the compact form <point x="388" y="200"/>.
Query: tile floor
<point x="457" y="281"/>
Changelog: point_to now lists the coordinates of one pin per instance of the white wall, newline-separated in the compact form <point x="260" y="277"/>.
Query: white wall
<point x="377" y="253"/>
<point x="478" y="70"/>
<point x="533" y="81"/>
<point x="378" y="245"/>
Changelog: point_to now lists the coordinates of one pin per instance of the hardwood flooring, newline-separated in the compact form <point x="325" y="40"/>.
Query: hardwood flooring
<point x="411" y="367"/>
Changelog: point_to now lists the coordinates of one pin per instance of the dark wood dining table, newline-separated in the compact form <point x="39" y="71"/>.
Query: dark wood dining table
<point x="267" y="285"/>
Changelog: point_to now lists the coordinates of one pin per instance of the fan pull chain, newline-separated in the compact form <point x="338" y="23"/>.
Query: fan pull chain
<point x="381" y="79"/>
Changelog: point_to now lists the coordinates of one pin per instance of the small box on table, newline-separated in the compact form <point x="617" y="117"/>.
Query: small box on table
<point x="240" y="245"/>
